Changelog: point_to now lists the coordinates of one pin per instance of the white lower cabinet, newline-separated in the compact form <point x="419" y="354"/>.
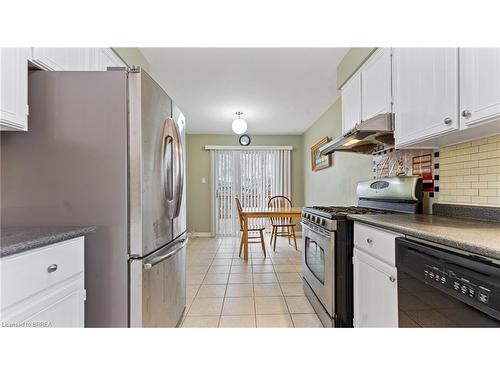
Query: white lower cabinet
<point x="14" y="88"/>
<point x="375" y="292"/>
<point x="375" y="277"/>
<point x="44" y="287"/>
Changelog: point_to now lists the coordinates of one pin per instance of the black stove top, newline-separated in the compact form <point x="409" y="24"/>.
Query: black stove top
<point x="334" y="212"/>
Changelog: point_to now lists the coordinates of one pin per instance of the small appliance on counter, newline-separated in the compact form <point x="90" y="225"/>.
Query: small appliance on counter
<point x="327" y="235"/>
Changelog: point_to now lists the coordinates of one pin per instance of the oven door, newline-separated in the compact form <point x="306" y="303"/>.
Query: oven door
<point x="318" y="264"/>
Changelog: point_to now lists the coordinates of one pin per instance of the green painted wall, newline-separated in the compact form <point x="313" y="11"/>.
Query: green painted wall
<point x="351" y="62"/>
<point x="198" y="166"/>
<point x="132" y="56"/>
<point x="335" y="185"/>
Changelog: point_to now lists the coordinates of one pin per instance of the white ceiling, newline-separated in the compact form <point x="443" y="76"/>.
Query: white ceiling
<point x="279" y="90"/>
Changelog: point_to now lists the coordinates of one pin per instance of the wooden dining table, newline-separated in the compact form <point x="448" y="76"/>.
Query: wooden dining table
<point x="267" y="212"/>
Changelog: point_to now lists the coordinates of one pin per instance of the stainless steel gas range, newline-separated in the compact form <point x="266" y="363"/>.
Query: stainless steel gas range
<point x="327" y="235"/>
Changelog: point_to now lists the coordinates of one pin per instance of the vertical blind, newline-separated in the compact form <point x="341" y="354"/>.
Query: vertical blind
<point x="253" y="176"/>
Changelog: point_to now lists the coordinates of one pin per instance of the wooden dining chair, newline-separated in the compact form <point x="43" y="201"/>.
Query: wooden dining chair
<point x="251" y="229"/>
<point x="282" y="226"/>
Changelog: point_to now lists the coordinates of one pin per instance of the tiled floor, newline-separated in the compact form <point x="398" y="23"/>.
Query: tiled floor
<point x="225" y="291"/>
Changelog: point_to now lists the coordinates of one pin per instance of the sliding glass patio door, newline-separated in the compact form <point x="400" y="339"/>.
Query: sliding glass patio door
<point x="253" y="176"/>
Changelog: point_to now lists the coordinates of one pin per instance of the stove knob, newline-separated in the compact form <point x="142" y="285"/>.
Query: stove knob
<point x="323" y="222"/>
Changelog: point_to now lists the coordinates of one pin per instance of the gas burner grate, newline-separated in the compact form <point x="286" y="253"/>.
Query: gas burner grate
<point x="338" y="210"/>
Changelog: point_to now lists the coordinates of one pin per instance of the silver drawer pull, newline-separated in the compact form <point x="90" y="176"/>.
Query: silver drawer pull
<point x="52" y="268"/>
<point x="369" y="240"/>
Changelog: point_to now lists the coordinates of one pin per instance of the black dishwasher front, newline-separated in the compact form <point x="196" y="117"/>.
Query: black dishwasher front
<point x="441" y="288"/>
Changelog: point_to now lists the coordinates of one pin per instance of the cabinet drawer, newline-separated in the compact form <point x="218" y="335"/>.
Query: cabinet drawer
<point x="377" y="242"/>
<point x="29" y="273"/>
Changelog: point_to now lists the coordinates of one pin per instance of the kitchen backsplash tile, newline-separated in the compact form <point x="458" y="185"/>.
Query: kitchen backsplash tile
<point x="470" y="172"/>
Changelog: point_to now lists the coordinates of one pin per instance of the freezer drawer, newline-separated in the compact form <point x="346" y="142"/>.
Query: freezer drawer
<point x="158" y="287"/>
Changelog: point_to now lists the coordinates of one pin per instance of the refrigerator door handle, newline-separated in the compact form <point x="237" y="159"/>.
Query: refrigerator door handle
<point x="156" y="260"/>
<point x="167" y="149"/>
<point x="171" y="167"/>
<point x="180" y="173"/>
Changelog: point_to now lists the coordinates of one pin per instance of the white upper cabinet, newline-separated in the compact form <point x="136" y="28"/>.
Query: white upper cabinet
<point x="14" y="88"/>
<point x="351" y="103"/>
<point x="63" y="58"/>
<point x="425" y="93"/>
<point x="479" y="85"/>
<point x="106" y="57"/>
<point x="376" y="93"/>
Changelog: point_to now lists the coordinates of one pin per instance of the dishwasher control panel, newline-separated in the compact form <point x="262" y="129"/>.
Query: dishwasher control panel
<point x="458" y="283"/>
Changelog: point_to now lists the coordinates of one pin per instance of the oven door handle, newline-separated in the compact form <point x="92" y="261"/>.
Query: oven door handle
<point x="316" y="231"/>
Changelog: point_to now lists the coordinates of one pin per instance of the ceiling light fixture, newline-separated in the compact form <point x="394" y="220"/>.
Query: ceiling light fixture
<point x="239" y="125"/>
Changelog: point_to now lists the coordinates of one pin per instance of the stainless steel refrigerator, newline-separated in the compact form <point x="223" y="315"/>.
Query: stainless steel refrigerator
<point x="106" y="149"/>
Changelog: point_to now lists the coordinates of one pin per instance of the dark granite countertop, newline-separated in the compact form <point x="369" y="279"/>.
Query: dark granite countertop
<point x="474" y="236"/>
<point x="19" y="239"/>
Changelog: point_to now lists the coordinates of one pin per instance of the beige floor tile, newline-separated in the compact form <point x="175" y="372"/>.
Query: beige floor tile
<point x="241" y="269"/>
<point x="289" y="277"/>
<point x="270" y="305"/>
<point x="198" y="262"/>
<point x="274" y="321"/>
<point x="306" y="321"/>
<point x="222" y="262"/>
<point x="215" y="278"/>
<point x="194" y="279"/>
<point x="239" y="290"/>
<point x="237" y="321"/>
<point x="299" y="305"/>
<point x="223" y="256"/>
<point x="292" y="289"/>
<point x="262" y="261"/>
<point x="284" y="268"/>
<point x="263" y="268"/>
<point x="267" y="290"/>
<point x="196" y="269"/>
<point x="219" y="269"/>
<point x="238" y="306"/>
<point x="241" y="262"/>
<point x="200" y="322"/>
<point x="211" y="290"/>
<point x="264" y="278"/>
<point x="206" y="307"/>
<point x="240" y="278"/>
<point x="191" y="290"/>
<point x="282" y="261"/>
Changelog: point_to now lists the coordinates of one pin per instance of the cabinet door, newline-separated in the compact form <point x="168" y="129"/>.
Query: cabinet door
<point x="351" y="103"/>
<point x="425" y="93"/>
<point x="61" y="306"/>
<point x="63" y="58"/>
<point x="375" y="292"/>
<point x="376" y="84"/>
<point x="14" y="88"/>
<point x="107" y="58"/>
<point x="479" y="85"/>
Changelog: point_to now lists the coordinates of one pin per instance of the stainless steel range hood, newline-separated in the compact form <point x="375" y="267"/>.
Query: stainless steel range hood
<point x="366" y="137"/>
